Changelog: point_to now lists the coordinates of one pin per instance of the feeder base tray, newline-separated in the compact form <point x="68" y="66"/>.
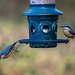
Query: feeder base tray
<point x="43" y="43"/>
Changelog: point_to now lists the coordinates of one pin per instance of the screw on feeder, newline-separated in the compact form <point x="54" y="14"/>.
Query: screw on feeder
<point x="42" y="18"/>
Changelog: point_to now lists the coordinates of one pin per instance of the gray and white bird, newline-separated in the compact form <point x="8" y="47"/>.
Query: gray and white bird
<point x="68" y="32"/>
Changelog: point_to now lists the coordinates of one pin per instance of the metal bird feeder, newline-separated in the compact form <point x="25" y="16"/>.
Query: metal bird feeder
<point x="42" y="22"/>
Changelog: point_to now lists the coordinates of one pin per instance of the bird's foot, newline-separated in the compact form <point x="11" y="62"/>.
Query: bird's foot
<point x="68" y="39"/>
<point x="15" y="49"/>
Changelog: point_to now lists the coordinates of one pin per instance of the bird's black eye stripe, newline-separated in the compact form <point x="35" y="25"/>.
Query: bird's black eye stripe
<point x="64" y="26"/>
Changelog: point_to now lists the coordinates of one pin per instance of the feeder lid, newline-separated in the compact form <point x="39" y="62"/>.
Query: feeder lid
<point x="42" y="2"/>
<point x="42" y="7"/>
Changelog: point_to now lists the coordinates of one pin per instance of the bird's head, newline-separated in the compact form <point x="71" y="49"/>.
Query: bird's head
<point x="65" y="26"/>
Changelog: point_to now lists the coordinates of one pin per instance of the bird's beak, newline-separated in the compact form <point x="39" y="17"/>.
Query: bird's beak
<point x="61" y="26"/>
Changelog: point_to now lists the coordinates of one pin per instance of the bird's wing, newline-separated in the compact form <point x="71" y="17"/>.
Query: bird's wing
<point x="72" y="32"/>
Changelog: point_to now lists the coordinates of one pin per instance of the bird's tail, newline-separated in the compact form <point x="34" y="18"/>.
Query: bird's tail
<point x="0" y="55"/>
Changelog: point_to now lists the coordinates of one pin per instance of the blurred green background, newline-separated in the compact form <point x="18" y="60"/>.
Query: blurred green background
<point x="29" y="61"/>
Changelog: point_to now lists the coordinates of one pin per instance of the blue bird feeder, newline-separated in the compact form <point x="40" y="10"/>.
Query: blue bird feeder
<point x="42" y="22"/>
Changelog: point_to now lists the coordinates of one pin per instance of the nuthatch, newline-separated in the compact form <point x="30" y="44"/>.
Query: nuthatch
<point x="68" y="32"/>
<point x="8" y="51"/>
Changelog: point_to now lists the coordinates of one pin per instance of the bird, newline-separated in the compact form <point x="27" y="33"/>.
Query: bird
<point x="8" y="51"/>
<point x="68" y="32"/>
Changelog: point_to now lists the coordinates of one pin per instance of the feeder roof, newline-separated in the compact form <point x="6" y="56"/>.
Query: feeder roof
<point x="37" y="10"/>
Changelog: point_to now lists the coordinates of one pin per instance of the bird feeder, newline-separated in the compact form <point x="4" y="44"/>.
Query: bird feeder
<point x="42" y="22"/>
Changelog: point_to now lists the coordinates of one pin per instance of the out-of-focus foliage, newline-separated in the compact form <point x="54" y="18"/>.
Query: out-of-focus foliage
<point x="32" y="61"/>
